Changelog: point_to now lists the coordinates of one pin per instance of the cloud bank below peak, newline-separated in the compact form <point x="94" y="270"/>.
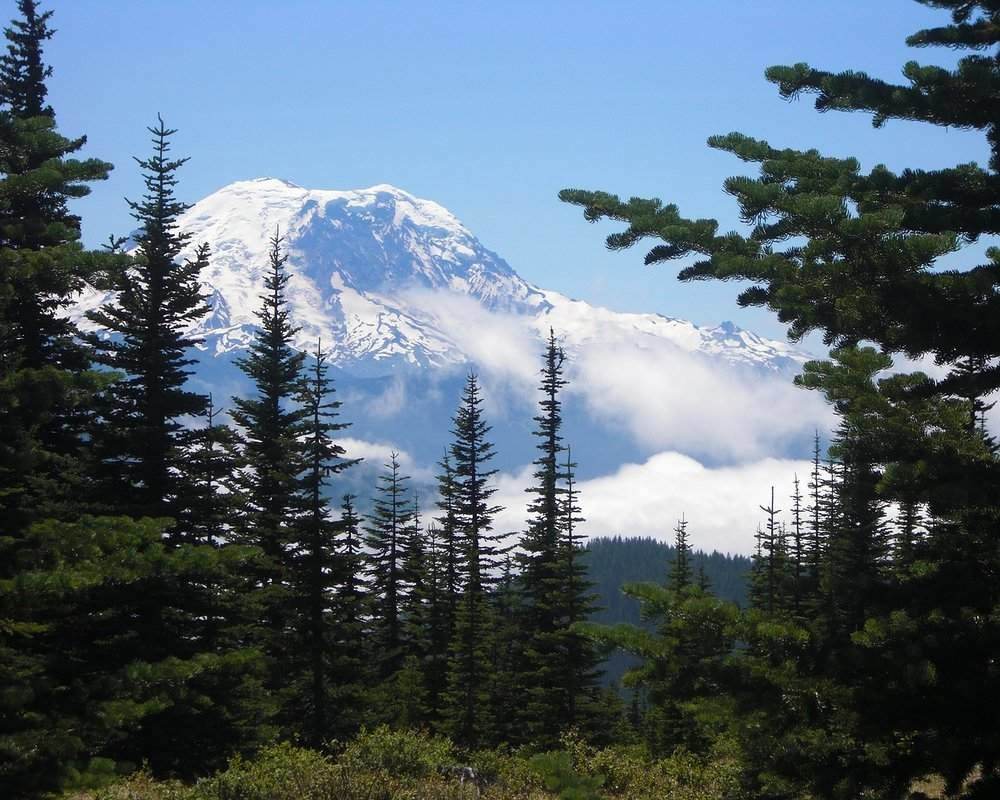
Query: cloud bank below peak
<point x="659" y="390"/>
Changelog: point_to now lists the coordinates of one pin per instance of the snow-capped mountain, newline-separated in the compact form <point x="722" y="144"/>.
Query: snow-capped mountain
<point x="365" y="267"/>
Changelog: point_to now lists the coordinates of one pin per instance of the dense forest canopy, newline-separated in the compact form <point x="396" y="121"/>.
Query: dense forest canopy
<point x="187" y="590"/>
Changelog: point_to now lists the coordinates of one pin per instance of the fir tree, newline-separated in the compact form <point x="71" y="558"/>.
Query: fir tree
<point x="212" y="459"/>
<point x="352" y="592"/>
<point x="158" y="299"/>
<point x="272" y="424"/>
<point x="543" y="574"/>
<point x="450" y="545"/>
<point x="798" y="548"/>
<point x="680" y="570"/>
<point x="581" y="671"/>
<point x="854" y="256"/>
<point x="46" y="386"/>
<point x="438" y="633"/>
<point x="349" y="669"/>
<point x="467" y="701"/>
<point x="386" y="536"/>
<point x="317" y="570"/>
<point x="23" y="72"/>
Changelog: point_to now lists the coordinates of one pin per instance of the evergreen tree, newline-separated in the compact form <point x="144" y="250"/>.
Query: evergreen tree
<point x="817" y="517"/>
<point x="353" y="589"/>
<point x="350" y="670"/>
<point x="317" y="568"/>
<point x="581" y="671"/>
<point x="212" y="459"/>
<point x="46" y="385"/>
<point x="158" y="299"/>
<point x="272" y="425"/>
<point x="467" y="701"/>
<point x="543" y="575"/>
<point x="438" y="633"/>
<point x="680" y="570"/>
<point x="22" y="70"/>
<point x="854" y="255"/>
<point x="116" y="668"/>
<point x="450" y="545"/>
<point x="386" y="536"/>
<point x="506" y="658"/>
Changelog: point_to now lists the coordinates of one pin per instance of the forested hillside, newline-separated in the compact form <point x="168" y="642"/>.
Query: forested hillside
<point x="615" y="561"/>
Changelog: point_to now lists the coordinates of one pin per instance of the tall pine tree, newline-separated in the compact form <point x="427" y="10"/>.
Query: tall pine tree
<point x="46" y="385"/>
<point x="467" y="709"/>
<point x="158" y="299"/>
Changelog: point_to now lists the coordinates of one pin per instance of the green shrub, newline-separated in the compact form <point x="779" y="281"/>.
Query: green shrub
<point x="557" y="771"/>
<point x="279" y="772"/>
<point x="399" y="753"/>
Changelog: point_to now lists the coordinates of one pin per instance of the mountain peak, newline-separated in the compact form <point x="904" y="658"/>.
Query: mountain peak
<point x="362" y="263"/>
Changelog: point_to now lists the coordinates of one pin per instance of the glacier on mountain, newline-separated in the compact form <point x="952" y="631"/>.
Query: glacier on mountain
<point x="362" y="262"/>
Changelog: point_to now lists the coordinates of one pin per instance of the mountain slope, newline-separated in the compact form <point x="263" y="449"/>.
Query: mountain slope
<point x="364" y="266"/>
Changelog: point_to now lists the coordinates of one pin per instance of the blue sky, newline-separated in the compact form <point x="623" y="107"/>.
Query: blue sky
<point x="487" y="108"/>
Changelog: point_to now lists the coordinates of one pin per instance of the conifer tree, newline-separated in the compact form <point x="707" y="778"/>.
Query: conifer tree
<point x="212" y="459"/>
<point x="353" y="588"/>
<point x="271" y="424"/>
<point x="680" y="569"/>
<point x="102" y="677"/>
<point x="506" y="657"/>
<point x="543" y="578"/>
<point x="798" y="549"/>
<point x="386" y="536"/>
<point x="582" y="670"/>
<point x="438" y="633"/>
<point x="450" y="545"/>
<point x="854" y="255"/>
<point x="22" y="71"/>
<point x="817" y="521"/>
<point x="317" y="568"/>
<point x="350" y="671"/>
<point x="46" y="384"/>
<point x="467" y="701"/>
<point x="418" y="610"/>
<point x="158" y="299"/>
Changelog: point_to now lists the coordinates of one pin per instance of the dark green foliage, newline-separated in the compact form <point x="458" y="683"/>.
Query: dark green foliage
<point x="863" y="698"/>
<point x="22" y="71"/>
<point x="450" y="545"/>
<point x="683" y="669"/>
<point x="544" y="571"/>
<point x="348" y="648"/>
<point x="316" y="568"/>
<point x="109" y="662"/>
<point x="468" y="716"/>
<point x="271" y="425"/>
<point x="140" y="440"/>
<point x="680" y="568"/>
<point x="386" y="536"/>
<point x="212" y="459"/>
<point x="612" y="562"/>
<point x="46" y="387"/>
<point x="586" y="710"/>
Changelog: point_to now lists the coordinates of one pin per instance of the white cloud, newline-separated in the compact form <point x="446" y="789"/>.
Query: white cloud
<point x="502" y="348"/>
<point x="377" y="454"/>
<point x="667" y="398"/>
<point x="721" y="504"/>
<point x="660" y="392"/>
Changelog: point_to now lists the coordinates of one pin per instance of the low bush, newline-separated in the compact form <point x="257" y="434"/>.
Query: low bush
<point x="387" y="764"/>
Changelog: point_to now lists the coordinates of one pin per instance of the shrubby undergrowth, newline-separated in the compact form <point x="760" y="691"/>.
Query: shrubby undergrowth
<point x="387" y="764"/>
